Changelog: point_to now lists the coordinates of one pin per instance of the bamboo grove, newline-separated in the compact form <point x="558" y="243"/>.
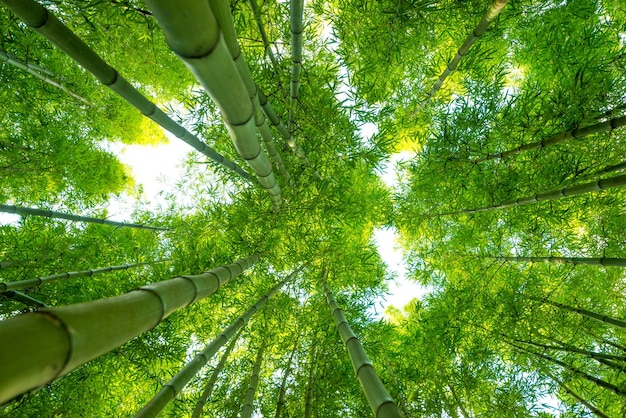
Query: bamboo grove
<point x="488" y="137"/>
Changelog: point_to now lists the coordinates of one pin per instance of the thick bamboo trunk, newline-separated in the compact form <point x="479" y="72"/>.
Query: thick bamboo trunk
<point x="25" y="284"/>
<point x="248" y="403"/>
<point x="296" y="11"/>
<point x="493" y="11"/>
<point x="47" y="25"/>
<point x="221" y="10"/>
<point x="194" y="35"/>
<point x="42" y="74"/>
<point x="377" y="396"/>
<point x="283" y="383"/>
<point x="76" y="218"/>
<point x="277" y="123"/>
<point x="597" y="412"/>
<point x="594" y="186"/>
<point x="596" y="381"/>
<point x="75" y="334"/>
<point x="601" y="261"/>
<point x="609" y="125"/>
<point x="584" y="312"/>
<point x="208" y="389"/>
<point x="178" y="382"/>
<point x="25" y="299"/>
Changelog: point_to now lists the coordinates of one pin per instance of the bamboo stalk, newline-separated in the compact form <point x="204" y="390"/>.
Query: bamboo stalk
<point x="196" y="38"/>
<point x="597" y="381"/>
<point x="609" y="125"/>
<point x="377" y="396"/>
<point x="597" y="412"/>
<point x="19" y="210"/>
<point x="296" y="11"/>
<point x="180" y="380"/>
<point x="283" y="383"/>
<point x="25" y="299"/>
<point x="266" y="42"/>
<point x="208" y="389"/>
<point x="277" y="123"/>
<point x="46" y="24"/>
<point x="571" y="349"/>
<point x="37" y="71"/>
<point x="308" y="400"/>
<point x="594" y="186"/>
<point x="221" y="10"/>
<point x="25" y="284"/>
<point x="248" y="404"/>
<point x="493" y="11"/>
<point x="584" y="312"/>
<point x="600" y="261"/>
<point x="75" y="334"/>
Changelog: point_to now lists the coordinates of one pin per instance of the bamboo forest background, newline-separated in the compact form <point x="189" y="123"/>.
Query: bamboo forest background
<point x="522" y="252"/>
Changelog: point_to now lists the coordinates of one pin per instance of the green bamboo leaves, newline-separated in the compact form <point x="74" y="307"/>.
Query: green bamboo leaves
<point x="19" y="210"/>
<point x="47" y="25"/>
<point x="381" y="403"/>
<point x="194" y="34"/>
<point x="75" y="334"/>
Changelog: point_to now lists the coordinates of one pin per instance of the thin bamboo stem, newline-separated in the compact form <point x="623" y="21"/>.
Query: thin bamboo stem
<point x="377" y="396"/>
<point x="19" y="210"/>
<point x="308" y="400"/>
<point x="283" y="383"/>
<point x="597" y="412"/>
<point x="208" y="389"/>
<point x="256" y="11"/>
<point x="598" y="261"/>
<point x="248" y="404"/>
<point x="46" y="24"/>
<point x="296" y="12"/>
<point x="196" y="38"/>
<point x="25" y="284"/>
<point x="594" y="186"/>
<point x="75" y="334"/>
<point x="37" y="71"/>
<point x="25" y="299"/>
<point x="493" y="11"/>
<point x="584" y="312"/>
<point x="578" y="133"/>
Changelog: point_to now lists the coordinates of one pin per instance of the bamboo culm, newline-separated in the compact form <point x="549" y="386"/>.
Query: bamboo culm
<point x="283" y="383"/>
<point x="42" y="74"/>
<point x="308" y="401"/>
<point x="46" y="24"/>
<point x="75" y="334"/>
<point x="296" y="11"/>
<point x="377" y="396"/>
<point x="196" y="38"/>
<point x="599" y="382"/>
<point x="578" y="133"/>
<point x="266" y="41"/>
<point x="594" y="186"/>
<point x="25" y="299"/>
<point x="600" y="261"/>
<point x="180" y="380"/>
<point x="493" y="11"/>
<point x="22" y="211"/>
<point x="25" y="284"/>
<point x="579" y="398"/>
<point x="208" y="389"/>
<point x="221" y="10"/>
<point x="584" y="312"/>
<point x="247" y="409"/>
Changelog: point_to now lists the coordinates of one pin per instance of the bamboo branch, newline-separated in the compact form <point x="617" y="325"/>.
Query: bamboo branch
<point x="25" y="299"/>
<point x="19" y="210"/>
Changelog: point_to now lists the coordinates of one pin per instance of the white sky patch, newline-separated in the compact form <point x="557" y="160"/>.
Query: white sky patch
<point x="401" y="290"/>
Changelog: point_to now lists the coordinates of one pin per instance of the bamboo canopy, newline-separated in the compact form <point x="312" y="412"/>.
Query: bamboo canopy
<point x="25" y="284"/>
<point x="221" y="10"/>
<point x="19" y="210"/>
<point x="493" y="12"/>
<point x="594" y="186"/>
<point x="578" y="133"/>
<point x="178" y="382"/>
<point x="196" y="39"/>
<point x="40" y="73"/>
<point x="296" y="11"/>
<point x="601" y="261"/>
<point x="74" y="334"/>
<point x="377" y="396"/>
<point x="208" y="389"/>
<point x="46" y="24"/>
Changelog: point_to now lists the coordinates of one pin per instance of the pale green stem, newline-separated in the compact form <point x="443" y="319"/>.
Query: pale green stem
<point x="247" y="408"/>
<point x="25" y="299"/>
<point x="601" y="261"/>
<point x="296" y="11"/>
<point x="584" y="312"/>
